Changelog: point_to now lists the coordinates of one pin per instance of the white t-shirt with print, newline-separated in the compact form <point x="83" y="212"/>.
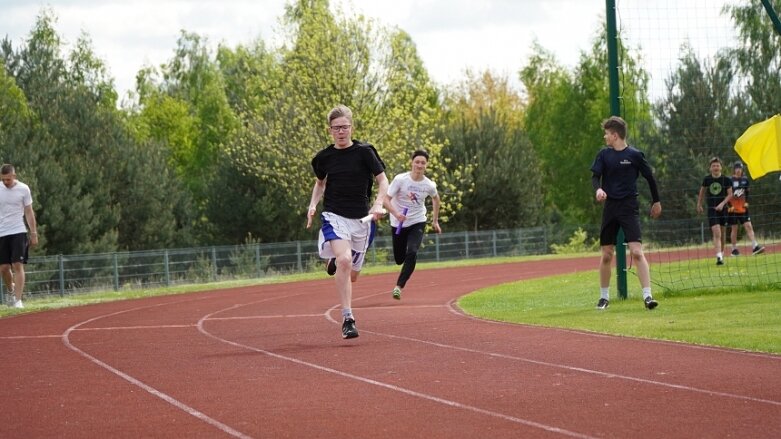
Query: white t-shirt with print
<point x="13" y="200"/>
<point x="406" y="192"/>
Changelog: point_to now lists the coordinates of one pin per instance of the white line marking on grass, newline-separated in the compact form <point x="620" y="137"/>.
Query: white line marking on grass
<point x="684" y="345"/>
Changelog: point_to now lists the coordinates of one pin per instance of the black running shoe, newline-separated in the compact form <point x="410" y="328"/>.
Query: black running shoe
<point x="650" y="303"/>
<point x="603" y="304"/>
<point x="758" y="249"/>
<point x="348" y="329"/>
<point x="719" y="261"/>
<point x="330" y="267"/>
<point x="735" y="252"/>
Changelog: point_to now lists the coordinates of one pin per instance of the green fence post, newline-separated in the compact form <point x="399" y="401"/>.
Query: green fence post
<point x="166" y="268"/>
<point x="62" y="274"/>
<point x="615" y="110"/>
<point x="116" y="272"/>
<point x="214" y="263"/>
<point x="257" y="261"/>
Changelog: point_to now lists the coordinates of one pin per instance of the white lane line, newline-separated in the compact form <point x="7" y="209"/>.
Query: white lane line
<point x="450" y="305"/>
<point x="392" y="387"/>
<point x="149" y="389"/>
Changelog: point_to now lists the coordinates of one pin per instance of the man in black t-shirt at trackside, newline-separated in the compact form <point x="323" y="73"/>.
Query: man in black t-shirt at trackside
<point x="717" y="189"/>
<point x="614" y="178"/>
<point x="344" y="172"/>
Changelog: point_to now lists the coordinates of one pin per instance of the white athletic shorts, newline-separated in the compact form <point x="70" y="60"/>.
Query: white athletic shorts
<point x="359" y="235"/>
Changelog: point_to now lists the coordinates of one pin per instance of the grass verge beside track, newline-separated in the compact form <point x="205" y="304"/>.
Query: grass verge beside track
<point x="740" y="319"/>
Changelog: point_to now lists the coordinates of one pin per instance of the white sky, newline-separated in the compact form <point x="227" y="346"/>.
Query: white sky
<point x="451" y="35"/>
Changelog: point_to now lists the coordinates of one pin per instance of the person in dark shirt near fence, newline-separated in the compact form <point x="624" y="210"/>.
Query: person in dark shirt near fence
<point x="614" y="179"/>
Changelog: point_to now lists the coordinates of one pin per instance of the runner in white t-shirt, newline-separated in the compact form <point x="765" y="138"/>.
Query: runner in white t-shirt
<point x="16" y="206"/>
<point x="406" y="203"/>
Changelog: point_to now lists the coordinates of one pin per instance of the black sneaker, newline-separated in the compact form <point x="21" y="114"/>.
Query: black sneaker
<point x="348" y="329"/>
<point x="719" y="261"/>
<point x="735" y="252"/>
<point x="603" y="304"/>
<point x="330" y="267"/>
<point x="650" y="303"/>
<point x="758" y="249"/>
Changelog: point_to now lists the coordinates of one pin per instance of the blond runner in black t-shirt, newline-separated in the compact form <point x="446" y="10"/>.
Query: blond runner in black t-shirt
<point x="343" y="172"/>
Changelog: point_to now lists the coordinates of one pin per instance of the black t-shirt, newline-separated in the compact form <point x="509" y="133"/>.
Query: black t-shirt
<point x="618" y="172"/>
<point x="716" y="189"/>
<point x="350" y="173"/>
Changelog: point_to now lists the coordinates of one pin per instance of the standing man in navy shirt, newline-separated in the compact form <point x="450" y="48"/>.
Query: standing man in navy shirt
<point x="614" y="179"/>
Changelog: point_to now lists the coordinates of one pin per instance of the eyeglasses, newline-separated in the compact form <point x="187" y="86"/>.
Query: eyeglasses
<point x="337" y="128"/>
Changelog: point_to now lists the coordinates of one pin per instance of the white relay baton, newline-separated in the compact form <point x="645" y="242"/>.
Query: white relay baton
<point x="370" y="217"/>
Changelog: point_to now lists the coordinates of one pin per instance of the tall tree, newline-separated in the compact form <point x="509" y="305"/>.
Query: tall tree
<point x="327" y="61"/>
<point x="92" y="182"/>
<point x="485" y="129"/>
<point x="564" y="114"/>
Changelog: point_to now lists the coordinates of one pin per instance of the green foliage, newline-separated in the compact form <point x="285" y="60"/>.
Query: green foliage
<point x="563" y="121"/>
<point x="500" y="167"/>
<point x="92" y="183"/>
<point x="327" y="61"/>
<point x="578" y="243"/>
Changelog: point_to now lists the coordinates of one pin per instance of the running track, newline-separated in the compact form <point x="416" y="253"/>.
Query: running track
<point x="268" y="361"/>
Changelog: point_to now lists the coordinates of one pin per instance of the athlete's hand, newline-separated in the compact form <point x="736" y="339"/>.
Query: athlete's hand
<point x="309" y="215"/>
<point x="656" y="210"/>
<point x="601" y="195"/>
<point x="378" y="211"/>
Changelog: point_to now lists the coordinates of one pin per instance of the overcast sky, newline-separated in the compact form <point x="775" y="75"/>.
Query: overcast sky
<point x="451" y="35"/>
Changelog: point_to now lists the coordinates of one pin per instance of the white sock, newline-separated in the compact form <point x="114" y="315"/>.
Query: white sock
<point x="347" y="313"/>
<point x="646" y="292"/>
<point x="604" y="293"/>
<point x="756" y="244"/>
<point x="719" y="255"/>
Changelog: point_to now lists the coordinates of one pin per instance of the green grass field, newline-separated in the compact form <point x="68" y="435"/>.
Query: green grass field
<point x="748" y="319"/>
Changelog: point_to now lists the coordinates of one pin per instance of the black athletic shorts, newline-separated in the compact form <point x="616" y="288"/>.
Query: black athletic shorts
<point x="13" y="248"/>
<point x="716" y="217"/>
<point x="620" y="213"/>
<point x="738" y="218"/>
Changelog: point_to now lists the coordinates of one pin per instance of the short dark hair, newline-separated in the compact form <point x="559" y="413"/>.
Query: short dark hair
<point x="419" y="152"/>
<point x="616" y="125"/>
<point x="7" y="169"/>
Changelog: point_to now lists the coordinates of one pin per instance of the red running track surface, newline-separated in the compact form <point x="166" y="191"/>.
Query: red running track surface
<point x="268" y="361"/>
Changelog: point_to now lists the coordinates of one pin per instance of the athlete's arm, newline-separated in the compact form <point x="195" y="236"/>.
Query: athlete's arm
<point x="317" y="194"/>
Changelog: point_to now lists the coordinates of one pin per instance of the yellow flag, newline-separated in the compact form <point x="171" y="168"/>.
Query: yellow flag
<point x="760" y="147"/>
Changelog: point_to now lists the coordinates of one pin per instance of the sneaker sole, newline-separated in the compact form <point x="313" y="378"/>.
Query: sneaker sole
<point x="350" y="335"/>
<point x="762" y="250"/>
<point x="397" y="296"/>
<point x="651" y="305"/>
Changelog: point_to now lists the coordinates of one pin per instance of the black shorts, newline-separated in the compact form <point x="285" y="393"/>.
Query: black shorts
<point x="715" y="217"/>
<point x="738" y="218"/>
<point x="620" y="213"/>
<point x="13" y="248"/>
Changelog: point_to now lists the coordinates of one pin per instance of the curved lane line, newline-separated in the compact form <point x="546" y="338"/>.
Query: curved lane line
<point x="149" y="389"/>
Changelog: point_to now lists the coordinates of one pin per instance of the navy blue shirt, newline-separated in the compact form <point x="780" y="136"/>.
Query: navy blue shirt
<point x="617" y="172"/>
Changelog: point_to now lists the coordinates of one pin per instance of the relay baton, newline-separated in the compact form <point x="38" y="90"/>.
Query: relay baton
<point x="398" y="228"/>
<point x="370" y="217"/>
